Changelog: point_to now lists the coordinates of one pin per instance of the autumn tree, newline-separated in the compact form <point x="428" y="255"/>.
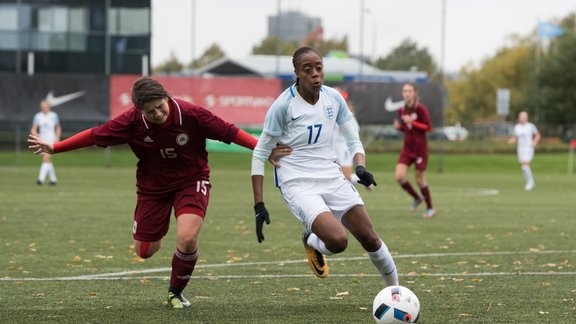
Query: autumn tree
<point x="472" y="97"/>
<point x="211" y="54"/>
<point x="272" y="45"/>
<point x="171" y="65"/>
<point x="407" y="56"/>
<point x="557" y="78"/>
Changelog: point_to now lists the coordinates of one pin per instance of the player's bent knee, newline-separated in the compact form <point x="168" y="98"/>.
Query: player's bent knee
<point x="146" y="249"/>
<point x="337" y="245"/>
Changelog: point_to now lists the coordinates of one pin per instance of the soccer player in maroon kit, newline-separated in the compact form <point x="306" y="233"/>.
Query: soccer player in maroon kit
<point x="169" y="138"/>
<point x="415" y="123"/>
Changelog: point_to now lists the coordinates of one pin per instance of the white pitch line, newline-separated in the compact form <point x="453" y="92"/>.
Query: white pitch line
<point x="248" y="264"/>
<point x="120" y="275"/>
<point x="283" y="276"/>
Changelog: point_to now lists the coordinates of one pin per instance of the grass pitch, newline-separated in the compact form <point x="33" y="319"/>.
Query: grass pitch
<point x="493" y="254"/>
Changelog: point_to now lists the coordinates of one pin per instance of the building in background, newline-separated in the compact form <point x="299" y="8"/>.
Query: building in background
<point x="292" y="26"/>
<point x="75" y="36"/>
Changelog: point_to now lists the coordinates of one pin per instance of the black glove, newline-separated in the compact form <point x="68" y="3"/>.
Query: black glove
<point x="261" y="216"/>
<point x="366" y="178"/>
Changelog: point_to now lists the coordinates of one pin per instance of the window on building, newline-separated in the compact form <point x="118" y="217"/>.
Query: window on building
<point x="129" y="21"/>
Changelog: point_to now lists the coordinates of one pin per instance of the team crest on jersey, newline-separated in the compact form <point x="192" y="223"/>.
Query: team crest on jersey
<point x="414" y="116"/>
<point x="182" y="139"/>
<point x="329" y="110"/>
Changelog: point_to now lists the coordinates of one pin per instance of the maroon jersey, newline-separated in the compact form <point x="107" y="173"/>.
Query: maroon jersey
<point x="415" y="142"/>
<point x="168" y="155"/>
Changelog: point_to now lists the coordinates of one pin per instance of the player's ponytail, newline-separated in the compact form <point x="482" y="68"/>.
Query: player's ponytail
<point x="145" y="90"/>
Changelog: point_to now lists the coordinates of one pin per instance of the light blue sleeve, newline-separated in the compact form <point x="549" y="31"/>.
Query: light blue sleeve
<point x="344" y="113"/>
<point x="533" y="129"/>
<point x="276" y="115"/>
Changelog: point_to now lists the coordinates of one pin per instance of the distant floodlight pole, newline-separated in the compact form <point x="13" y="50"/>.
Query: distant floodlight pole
<point x="193" y="34"/>
<point x="442" y="85"/>
<point x="360" y="62"/>
<point x="278" y="39"/>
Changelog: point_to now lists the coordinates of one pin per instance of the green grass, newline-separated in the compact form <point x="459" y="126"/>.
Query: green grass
<point x="503" y="258"/>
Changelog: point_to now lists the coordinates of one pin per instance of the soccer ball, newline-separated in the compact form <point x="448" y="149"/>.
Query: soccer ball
<point x="396" y="304"/>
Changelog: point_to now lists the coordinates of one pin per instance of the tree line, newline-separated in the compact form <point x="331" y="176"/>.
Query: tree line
<point x="541" y="77"/>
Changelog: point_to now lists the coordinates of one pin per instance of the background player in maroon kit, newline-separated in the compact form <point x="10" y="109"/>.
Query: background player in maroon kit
<point x="415" y="123"/>
<point x="169" y="137"/>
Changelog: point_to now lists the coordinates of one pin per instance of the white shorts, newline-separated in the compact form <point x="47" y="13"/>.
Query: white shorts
<point x="307" y="198"/>
<point x="525" y="154"/>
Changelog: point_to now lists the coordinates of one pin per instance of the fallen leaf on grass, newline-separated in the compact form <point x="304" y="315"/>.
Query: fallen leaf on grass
<point x="335" y="298"/>
<point x="465" y="315"/>
<point x="77" y="258"/>
<point x="293" y="289"/>
<point x="106" y="257"/>
<point x="344" y="293"/>
<point x="543" y="312"/>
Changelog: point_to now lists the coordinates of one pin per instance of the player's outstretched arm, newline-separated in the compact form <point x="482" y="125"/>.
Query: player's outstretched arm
<point x="76" y="141"/>
<point x="38" y="145"/>
<point x="260" y="210"/>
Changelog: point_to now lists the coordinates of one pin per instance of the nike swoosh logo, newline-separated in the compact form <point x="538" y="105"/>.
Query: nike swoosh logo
<point x="296" y="118"/>
<point x="60" y="100"/>
<point x="320" y="271"/>
<point x="390" y="105"/>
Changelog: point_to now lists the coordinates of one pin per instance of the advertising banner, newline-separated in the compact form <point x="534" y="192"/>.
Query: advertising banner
<point x="241" y="101"/>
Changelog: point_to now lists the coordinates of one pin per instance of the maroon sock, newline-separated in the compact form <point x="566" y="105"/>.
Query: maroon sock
<point x="408" y="188"/>
<point x="426" y="193"/>
<point x="182" y="267"/>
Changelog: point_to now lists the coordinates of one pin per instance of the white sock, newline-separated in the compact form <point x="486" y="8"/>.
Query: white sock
<point x="52" y="172"/>
<point x="315" y="242"/>
<point x="43" y="171"/>
<point x="383" y="261"/>
<point x="527" y="173"/>
<point x="354" y="178"/>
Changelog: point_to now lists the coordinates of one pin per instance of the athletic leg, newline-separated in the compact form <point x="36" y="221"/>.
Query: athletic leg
<point x="358" y="223"/>
<point x="186" y="254"/>
<point x="401" y="177"/>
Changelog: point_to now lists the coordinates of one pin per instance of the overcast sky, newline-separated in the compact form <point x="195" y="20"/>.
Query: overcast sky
<point x="475" y="29"/>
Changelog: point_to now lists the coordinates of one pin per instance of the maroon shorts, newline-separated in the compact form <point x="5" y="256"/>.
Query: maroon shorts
<point x="152" y="214"/>
<point x="420" y="160"/>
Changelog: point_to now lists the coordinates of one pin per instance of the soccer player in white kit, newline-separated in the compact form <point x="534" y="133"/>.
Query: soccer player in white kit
<point x="46" y="125"/>
<point x="304" y="117"/>
<point x="526" y="136"/>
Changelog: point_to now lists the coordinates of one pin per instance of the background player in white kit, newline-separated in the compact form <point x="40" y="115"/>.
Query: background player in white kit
<point x="304" y="117"/>
<point x="527" y="137"/>
<point x="46" y="125"/>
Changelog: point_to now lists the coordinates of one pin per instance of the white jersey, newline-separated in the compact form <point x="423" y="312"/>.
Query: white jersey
<point x="309" y="131"/>
<point x="46" y="124"/>
<point x="525" y="135"/>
